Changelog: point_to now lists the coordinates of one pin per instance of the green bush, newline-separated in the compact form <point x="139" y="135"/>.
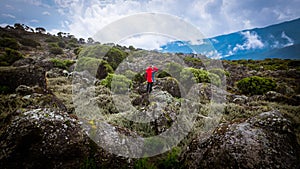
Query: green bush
<point x="92" y="65"/>
<point x="9" y="43"/>
<point x="63" y="64"/>
<point x="4" y="89"/>
<point x="220" y="72"/>
<point x="129" y="74"/>
<point x="163" y="74"/>
<point x="115" y="56"/>
<point x="255" y="85"/>
<point x="61" y="44"/>
<point x="143" y="163"/>
<point x="119" y="84"/>
<point x="193" y="75"/>
<point x="193" y="61"/>
<point x="77" y="50"/>
<point x="53" y="39"/>
<point x="56" y="50"/>
<point x="139" y="78"/>
<point x="94" y="51"/>
<point x="174" y="69"/>
<point x="10" y="56"/>
<point x="30" y="43"/>
<point x="171" y="160"/>
<point x="88" y="163"/>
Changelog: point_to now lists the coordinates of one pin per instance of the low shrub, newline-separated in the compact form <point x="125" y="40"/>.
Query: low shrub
<point x="119" y="84"/>
<point x="77" y="50"/>
<point x="193" y="75"/>
<point x="56" y="50"/>
<point x="171" y="160"/>
<point x="52" y="39"/>
<point x="9" y="43"/>
<point x="114" y="57"/>
<point x="30" y="43"/>
<point x="61" y="44"/>
<point x="63" y="64"/>
<point x="255" y="85"/>
<point x="97" y="67"/>
<point x="174" y="69"/>
<point x="9" y="57"/>
<point x="144" y="163"/>
<point x="163" y="74"/>
<point x="139" y="78"/>
<point x="220" y="72"/>
<point x="4" y="89"/>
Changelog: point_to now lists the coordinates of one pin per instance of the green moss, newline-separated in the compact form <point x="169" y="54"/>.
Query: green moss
<point x="256" y="85"/>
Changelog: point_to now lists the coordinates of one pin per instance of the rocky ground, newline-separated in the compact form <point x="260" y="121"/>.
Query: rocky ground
<point x="57" y="116"/>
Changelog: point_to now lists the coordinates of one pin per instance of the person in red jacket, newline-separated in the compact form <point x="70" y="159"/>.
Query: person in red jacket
<point x="150" y="71"/>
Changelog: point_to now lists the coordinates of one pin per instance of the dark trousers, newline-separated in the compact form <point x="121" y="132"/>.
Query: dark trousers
<point x="149" y="87"/>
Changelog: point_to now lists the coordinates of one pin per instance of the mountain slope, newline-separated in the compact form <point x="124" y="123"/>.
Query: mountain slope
<point x="275" y="41"/>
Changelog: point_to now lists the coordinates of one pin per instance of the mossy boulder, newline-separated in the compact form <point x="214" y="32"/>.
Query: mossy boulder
<point x="169" y="84"/>
<point x="45" y="138"/>
<point x="264" y="141"/>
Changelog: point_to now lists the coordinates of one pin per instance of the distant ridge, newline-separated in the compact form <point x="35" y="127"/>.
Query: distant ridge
<point x="275" y="41"/>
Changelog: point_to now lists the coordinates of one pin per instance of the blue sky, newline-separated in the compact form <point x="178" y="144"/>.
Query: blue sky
<point x="84" y="18"/>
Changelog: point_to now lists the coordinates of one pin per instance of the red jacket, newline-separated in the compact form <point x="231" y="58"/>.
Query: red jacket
<point x="149" y="72"/>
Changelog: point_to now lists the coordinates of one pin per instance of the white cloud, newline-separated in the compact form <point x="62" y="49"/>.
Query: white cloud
<point x="214" y="54"/>
<point x="34" y="21"/>
<point x="9" y="16"/>
<point x="290" y="40"/>
<point x="211" y="17"/>
<point x="146" y="41"/>
<point x="9" y="7"/>
<point x="66" y="3"/>
<point x="252" y="42"/>
<point x="34" y="2"/>
<point x="46" y="13"/>
<point x="3" y="25"/>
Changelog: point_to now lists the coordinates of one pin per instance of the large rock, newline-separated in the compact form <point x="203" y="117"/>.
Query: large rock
<point x="44" y="138"/>
<point x="12" y="77"/>
<point x="264" y="141"/>
<point x="169" y="84"/>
